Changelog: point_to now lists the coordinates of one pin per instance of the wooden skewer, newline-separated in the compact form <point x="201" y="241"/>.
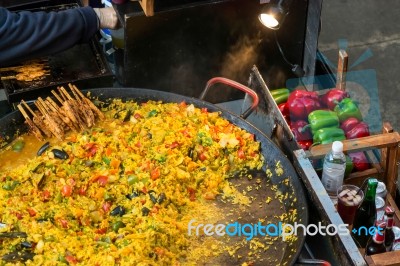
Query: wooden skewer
<point x="61" y="114"/>
<point x="40" y="108"/>
<point x="74" y="93"/>
<point x="90" y="103"/>
<point x="62" y="95"/>
<point x="29" y="109"/>
<point x="55" y="128"/>
<point x="66" y="93"/>
<point x="40" y="100"/>
<point x="25" y="115"/>
<point x="30" y="123"/>
<point x="38" y="121"/>
<point x="57" y="96"/>
<point x="74" y="88"/>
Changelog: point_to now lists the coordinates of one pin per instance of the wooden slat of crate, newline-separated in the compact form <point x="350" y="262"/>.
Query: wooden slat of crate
<point x="361" y="144"/>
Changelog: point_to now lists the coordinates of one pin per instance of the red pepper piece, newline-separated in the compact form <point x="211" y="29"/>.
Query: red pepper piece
<point x="349" y="124"/>
<point x="301" y="103"/>
<point x="360" y="161"/>
<point x="299" y="132"/>
<point x="305" y="144"/>
<point x="332" y="97"/>
<point x="283" y="107"/>
<point x="358" y="131"/>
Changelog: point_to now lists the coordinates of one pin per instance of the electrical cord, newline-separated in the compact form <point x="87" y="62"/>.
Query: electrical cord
<point x="296" y="69"/>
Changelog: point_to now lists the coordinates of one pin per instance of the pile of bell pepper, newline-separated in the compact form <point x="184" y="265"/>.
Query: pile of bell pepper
<point x="316" y="119"/>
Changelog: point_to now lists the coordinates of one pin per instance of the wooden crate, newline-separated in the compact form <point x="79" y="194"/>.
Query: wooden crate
<point x="386" y="170"/>
<point x="275" y="126"/>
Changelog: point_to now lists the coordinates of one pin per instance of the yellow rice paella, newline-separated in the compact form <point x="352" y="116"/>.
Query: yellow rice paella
<point x="123" y="192"/>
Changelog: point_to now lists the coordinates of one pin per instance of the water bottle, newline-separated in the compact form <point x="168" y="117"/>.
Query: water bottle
<point x="333" y="169"/>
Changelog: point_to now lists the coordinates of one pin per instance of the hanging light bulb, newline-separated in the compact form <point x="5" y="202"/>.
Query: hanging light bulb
<point x="273" y="14"/>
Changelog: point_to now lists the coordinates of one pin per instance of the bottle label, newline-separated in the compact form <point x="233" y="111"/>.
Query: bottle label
<point x="378" y="239"/>
<point x="332" y="176"/>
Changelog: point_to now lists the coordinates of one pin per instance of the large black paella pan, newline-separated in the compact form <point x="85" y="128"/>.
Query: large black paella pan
<point x="281" y="200"/>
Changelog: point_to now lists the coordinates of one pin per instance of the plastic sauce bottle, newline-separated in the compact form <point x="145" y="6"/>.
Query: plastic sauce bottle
<point x="333" y="169"/>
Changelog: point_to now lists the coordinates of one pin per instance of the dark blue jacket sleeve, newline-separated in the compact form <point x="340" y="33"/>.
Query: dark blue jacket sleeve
<point x="26" y="35"/>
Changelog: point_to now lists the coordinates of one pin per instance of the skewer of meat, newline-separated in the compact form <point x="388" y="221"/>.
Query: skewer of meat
<point x="55" y="128"/>
<point x="69" y="110"/>
<point x="38" y="120"/>
<point x="79" y="109"/>
<point x="62" y="114"/>
<point x="96" y="110"/>
<point x="32" y="126"/>
<point x="87" y="112"/>
<point x="55" y="115"/>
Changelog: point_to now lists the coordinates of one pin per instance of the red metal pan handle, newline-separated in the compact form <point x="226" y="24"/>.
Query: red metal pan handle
<point x="235" y="85"/>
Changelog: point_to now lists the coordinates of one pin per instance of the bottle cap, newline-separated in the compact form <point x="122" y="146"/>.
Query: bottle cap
<point x="373" y="182"/>
<point x="337" y="146"/>
<point x="389" y="210"/>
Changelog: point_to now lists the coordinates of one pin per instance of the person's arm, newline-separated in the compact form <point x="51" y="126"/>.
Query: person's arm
<point x="25" y="35"/>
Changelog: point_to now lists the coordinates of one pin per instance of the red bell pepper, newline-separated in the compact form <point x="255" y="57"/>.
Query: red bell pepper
<point x="332" y="97"/>
<point x="349" y="123"/>
<point x="283" y="107"/>
<point x="300" y="131"/>
<point x="354" y="129"/>
<point x="359" y="131"/>
<point x="305" y="144"/>
<point x="360" y="161"/>
<point x="301" y="103"/>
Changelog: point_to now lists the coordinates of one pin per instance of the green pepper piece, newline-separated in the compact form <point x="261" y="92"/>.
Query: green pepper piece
<point x="117" y="225"/>
<point x="106" y="160"/>
<point x="347" y="108"/>
<point x="328" y="135"/>
<point x="322" y="119"/>
<point x="132" y="179"/>
<point x="18" y="146"/>
<point x="62" y="259"/>
<point x="280" y="95"/>
<point x="108" y="197"/>
<point x="152" y="113"/>
<point x="349" y="166"/>
<point x="10" y="185"/>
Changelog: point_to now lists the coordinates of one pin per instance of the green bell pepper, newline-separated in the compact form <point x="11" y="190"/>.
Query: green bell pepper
<point x="328" y="135"/>
<point x="349" y="166"/>
<point x="347" y="108"/>
<point x="322" y="119"/>
<point x="280" y="95"/>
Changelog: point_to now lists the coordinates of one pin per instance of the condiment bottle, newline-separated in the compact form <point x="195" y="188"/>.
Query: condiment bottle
<point x="389" y="234"/>
<point x="365" y="216"/>
<point x="376" y="243"/>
